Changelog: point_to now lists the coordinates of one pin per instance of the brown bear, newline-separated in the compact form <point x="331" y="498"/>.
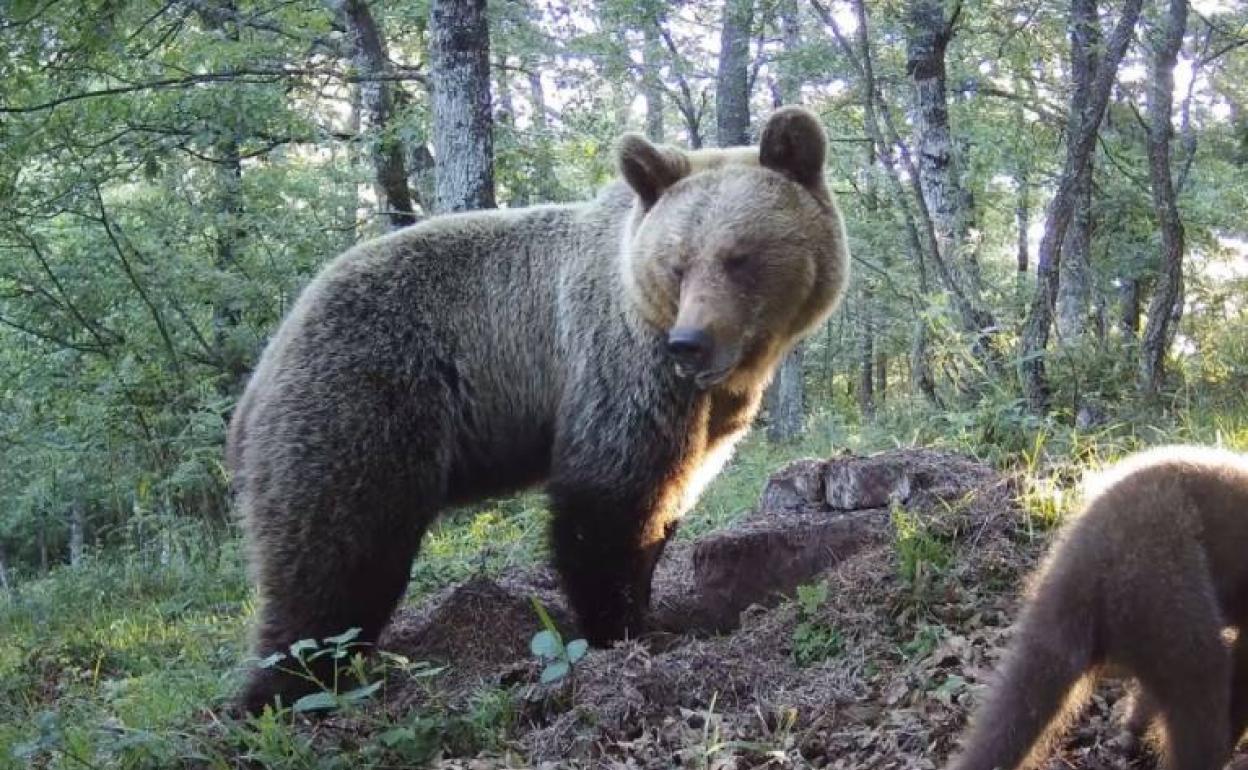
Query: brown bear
<point x="614" y="349"/>
<point x="1145" y="583"/>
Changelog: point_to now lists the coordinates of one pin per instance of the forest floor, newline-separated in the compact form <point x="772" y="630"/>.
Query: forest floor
<point x="875" y="663"/>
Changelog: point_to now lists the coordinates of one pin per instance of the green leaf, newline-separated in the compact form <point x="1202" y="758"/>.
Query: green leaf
<point x="272" y="660"/>
<point x="361" y="693"/>
<point x="546" y="645"/>
<point x="346" y="636"/>
<point x="300" y="647"/>
<point x="952" y="685"/>
<point x="555" y="671"/>
<point x="576" y="650"/>
<point x="317" y="701"/>
<point x="397" y="735"/>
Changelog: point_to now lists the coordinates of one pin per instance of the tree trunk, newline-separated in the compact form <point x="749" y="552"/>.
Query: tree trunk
<point x="882" y="149"/>
<point x="1075" y="267"/>
<point x="368" y="54"/>
<point x="229" y="233"/>
<point x="790" y="81"/>
<point x="505" y="118"/>
<point x="1074" y="290"/>
<point x="1166" y="308"/>
<point x="77" y="534"/>
<point x="1022" y="219"/>
<point x="786" y="405"/>
<point x="866" y="354"/>
<point x="1080" y="141"/>
<point x="787" y="392"/>
<point x="881" y="377"/>
<point x="1129" y="309"/>
<point x="732" y="83"/>
<point x="459" y="78"/>
<point x="547" y="188"/>
<point x="651" y="82"/>
<point x="922" y="379"/>
<point x="947" y="202"/>
<point x="5" y="585"/>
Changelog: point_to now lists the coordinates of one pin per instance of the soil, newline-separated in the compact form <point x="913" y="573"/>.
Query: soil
<point x="717" y="685"/>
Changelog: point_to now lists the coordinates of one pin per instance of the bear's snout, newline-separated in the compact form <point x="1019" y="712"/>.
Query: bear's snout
<point x="691" y="348"/>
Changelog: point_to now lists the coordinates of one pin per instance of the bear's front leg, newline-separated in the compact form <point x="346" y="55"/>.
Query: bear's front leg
<point x="606" y="546"/>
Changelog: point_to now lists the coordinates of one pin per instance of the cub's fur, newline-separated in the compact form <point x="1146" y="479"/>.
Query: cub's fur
<point x="614" y="349"/>
<point x="1144" y="584"/>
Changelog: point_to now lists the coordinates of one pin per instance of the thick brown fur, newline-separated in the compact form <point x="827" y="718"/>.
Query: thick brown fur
<point x="476" y="354"/>
<point x="1146" y="583"/>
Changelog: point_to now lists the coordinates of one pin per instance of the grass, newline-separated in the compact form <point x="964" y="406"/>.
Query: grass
<point x="125" y="661"/>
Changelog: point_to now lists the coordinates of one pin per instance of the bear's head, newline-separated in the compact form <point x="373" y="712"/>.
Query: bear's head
<point x="733" y="254"/>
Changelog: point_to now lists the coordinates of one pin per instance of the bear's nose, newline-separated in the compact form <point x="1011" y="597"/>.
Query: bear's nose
<point x="689" y="347"/>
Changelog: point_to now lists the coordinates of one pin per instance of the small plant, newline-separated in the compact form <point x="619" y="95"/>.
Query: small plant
<point x="548" y="646"/>
<point x="919" y="553"/>
<point x="923" y="643"/>
<point x="340" y="650"/>
<point x="813" y="639"/>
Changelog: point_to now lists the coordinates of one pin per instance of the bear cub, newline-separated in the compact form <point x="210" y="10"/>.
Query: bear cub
<point x="1149" y="582"/>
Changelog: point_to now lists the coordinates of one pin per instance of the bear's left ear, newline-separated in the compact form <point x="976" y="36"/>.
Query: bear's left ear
<point x="794" y="143"/>
<point x="649" y="170"/>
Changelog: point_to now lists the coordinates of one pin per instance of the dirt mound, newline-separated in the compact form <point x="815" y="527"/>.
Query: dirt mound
<point x="921" y="554"/>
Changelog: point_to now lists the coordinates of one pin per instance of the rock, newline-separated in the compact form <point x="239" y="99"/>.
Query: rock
<point x="794" y="487"/>
<point x="858" y="483"/>
<point x="766" y="560"/>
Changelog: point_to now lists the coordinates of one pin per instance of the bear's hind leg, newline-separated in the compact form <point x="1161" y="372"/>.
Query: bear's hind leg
<point x="331" y="554"/>
<point x="356" y="591"/>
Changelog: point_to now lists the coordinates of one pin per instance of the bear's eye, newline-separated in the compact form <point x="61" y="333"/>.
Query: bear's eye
<point x="679" y="272"/>
<point x="735" y="262"/>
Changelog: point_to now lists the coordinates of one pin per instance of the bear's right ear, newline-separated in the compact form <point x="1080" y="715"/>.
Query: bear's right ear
<point x="649" y="170"/>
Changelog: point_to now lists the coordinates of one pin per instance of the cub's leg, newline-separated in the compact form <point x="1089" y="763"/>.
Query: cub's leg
<point x="1181" y="661"/>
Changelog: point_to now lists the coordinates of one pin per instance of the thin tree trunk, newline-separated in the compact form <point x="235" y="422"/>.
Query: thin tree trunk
<point x="547" y="189"/>
<point x="919" y="360"/>
<point x="368" y="54"/>
<point x="1022" y="215"/>
<point x="41" y="541"/>
<point x="229" y="233"/>
<point x="506" y="119"/>
<point x="881" y="377"/>
<point x="1022" y="219"/>
<point x="732" y="83"/>
<point x="974" y="319"/>
<point x="947" y="202"/>
<point x="866" y="354"/>
<point x="459" y="78"/>
<point x="1129" y="302"/>
<point x="5" y="585"/>
<point x="787" y="403"/>
<point x="786" y="396"/>
<point x="651" y="82"/>
<point x="1166" y="308"/>
<point x="1079" y="145"/>
<point x="790" y="80"/>
<point x="1074" y="290"/>
<point x="77" y="534"/>
<point x="1075" y="267"/>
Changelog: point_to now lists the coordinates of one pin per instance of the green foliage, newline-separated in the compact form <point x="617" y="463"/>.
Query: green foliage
<point x="813" y="639"/>
<point x="547" y="645"/>
<point x="921" y="555"/>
